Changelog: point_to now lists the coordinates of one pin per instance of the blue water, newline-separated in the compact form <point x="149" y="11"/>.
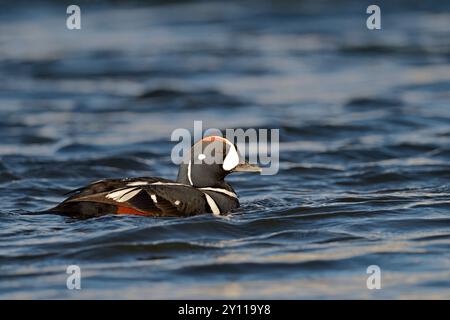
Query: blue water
<point x="364" y="119"/>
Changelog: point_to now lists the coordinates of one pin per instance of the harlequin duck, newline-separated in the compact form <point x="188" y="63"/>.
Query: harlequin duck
<point x="200" y="188"/>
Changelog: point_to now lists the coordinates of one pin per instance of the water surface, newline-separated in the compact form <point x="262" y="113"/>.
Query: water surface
<point x="364" y="119"/>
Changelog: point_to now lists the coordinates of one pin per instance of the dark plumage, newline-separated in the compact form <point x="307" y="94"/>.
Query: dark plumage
<point x="200" y="188"/>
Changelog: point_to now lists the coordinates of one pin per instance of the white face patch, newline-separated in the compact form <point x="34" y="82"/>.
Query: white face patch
<point x="231" y="160"/>
<point x="201" y="156"/>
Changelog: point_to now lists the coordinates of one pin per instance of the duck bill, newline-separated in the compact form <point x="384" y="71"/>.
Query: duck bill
<point x="247" y="167"/>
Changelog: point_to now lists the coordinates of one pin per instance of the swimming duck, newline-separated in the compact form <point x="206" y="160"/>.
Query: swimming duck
<point x="200" y="188"/>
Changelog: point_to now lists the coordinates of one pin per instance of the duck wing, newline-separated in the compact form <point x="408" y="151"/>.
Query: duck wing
<point x="148" y="196"/>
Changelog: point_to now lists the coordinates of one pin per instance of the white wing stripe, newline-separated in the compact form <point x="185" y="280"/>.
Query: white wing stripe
<point x="118" y="194"/>
<point x="129" y="195"/>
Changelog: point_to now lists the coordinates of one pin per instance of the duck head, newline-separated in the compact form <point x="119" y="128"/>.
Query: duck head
<point x="210" y="160"/>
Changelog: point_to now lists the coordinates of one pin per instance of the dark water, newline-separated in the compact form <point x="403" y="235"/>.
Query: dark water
<point x="364" y="119"/>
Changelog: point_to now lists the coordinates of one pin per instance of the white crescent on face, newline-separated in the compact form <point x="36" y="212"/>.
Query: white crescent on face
<point x="231" y="160"/>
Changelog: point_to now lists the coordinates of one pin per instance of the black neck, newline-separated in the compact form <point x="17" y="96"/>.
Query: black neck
<point x="203" y="181"/>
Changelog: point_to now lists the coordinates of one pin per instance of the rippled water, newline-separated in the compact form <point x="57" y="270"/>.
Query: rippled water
<point x="364" y="119"/>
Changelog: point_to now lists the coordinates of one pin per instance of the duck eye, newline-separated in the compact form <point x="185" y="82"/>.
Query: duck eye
<point x="201" y="156"/>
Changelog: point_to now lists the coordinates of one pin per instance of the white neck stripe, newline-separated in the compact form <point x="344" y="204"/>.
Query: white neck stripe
<point x="189" y="172"/>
